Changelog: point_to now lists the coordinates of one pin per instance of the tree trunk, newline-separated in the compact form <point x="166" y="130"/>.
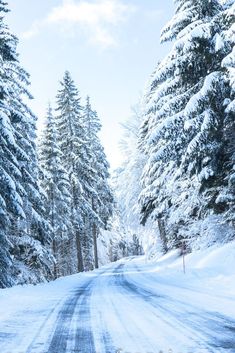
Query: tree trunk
<point x="95" y="246"/>
<point x="79" y="252"/>
<point x="55" y="256"/>
<point x="162" y="232"/>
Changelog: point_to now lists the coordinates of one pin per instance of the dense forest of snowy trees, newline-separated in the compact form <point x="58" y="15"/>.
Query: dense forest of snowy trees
<point x="74" y="180"/>
<point x="186" y="135"/>
<point x="55" y="199"/>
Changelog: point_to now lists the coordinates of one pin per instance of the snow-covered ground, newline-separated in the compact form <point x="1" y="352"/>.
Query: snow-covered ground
<point x="129" y="306"/>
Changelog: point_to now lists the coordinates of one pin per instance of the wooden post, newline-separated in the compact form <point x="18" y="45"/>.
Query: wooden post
<point x="183" y="255"/>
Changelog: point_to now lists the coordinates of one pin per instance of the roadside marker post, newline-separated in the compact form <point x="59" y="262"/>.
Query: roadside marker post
<point x="183" y="251"/>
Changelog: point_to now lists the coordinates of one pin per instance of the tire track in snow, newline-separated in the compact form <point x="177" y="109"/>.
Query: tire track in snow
<point x="62" y="332"/>
<point x="84" y="341"/>
<point x="36" y="342"/>
<point x="73" y="329"/>
<point x="129" y="329"/>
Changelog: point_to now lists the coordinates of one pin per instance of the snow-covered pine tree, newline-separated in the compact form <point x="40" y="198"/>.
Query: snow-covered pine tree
<point x="31" y="240"/>
<point x="128" y="178"/>
<point x="72" y="142"/>
<point x="31" y="236"/>
<point x="10" y="199"/>
<point x="88" y="178"/>
<point x="56" y="186"/>
<point x="228" y="41"/>
<point x="126" y="183"/>
<point x="22" y="211"/>
<point x="96" y="187"/>
<point x="183" y="128"/>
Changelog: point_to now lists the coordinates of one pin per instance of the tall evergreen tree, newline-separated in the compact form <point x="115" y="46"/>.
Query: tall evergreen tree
<point x="98" y="192"/>
<point x="55" y="183"/>
<point x="21" y="208"/>
<point x="228" y="41"/>
<point x="128" y="176"/>
<point x="10" y="197"/>
<point x="71" y="136"/>
<point x="184" y="120"/>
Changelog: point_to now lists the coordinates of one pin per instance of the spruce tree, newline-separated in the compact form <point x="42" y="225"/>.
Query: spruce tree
<point x="55" y="183"/>
<point x="22" y="215"/>
<point x="182" y="132"/>
<point x="71" y="141"/>
<point x="10" y="198"/>
<point x="98" y="191"/>
<point x="227" y="40"/>
<point x="30" y="235"/>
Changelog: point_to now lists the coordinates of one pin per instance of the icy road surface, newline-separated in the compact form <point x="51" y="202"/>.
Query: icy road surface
<point x="125" y="307"/>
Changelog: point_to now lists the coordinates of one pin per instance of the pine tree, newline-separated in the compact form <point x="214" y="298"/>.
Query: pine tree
<point x="98" y="191"/>
<point x="128" y="180"/>
<point x="10" y="199"/>
<point x="22" y="216"/>
<point x="31" y="238"/>
<point x="71" y="142"/>
<point x="31" y="241"/>
<point x="183" y="128"/>
<point x="55" y="183"/>
<point x="228" y="41"/>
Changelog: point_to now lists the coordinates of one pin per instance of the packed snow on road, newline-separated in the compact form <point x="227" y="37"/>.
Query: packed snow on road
<point x="129" y="306"/>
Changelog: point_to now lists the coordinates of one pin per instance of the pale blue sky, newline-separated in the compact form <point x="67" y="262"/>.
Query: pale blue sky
<point x="109" y="46"/>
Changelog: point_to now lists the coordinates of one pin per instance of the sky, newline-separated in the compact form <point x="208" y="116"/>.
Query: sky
<point x="110" y="48"/>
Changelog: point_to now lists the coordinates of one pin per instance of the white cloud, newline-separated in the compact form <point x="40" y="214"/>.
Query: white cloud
<point x="96" y="18"/>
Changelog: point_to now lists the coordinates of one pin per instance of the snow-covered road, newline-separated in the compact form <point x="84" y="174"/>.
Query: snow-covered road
<point x="123" y="307"/>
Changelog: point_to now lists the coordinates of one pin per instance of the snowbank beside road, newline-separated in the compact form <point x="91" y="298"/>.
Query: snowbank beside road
<point x="215" y="260"/>
<point x="210" y="271"/>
